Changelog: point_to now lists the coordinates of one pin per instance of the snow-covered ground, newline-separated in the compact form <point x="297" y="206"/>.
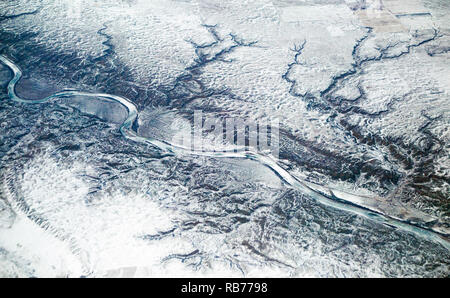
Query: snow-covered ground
<point x="361" y="91"/>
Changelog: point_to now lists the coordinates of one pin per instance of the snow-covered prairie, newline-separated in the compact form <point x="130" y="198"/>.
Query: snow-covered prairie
<point x="361" y="93"/>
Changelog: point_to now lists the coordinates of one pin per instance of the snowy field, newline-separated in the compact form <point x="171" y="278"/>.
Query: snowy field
<point x="361" y="184"/>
